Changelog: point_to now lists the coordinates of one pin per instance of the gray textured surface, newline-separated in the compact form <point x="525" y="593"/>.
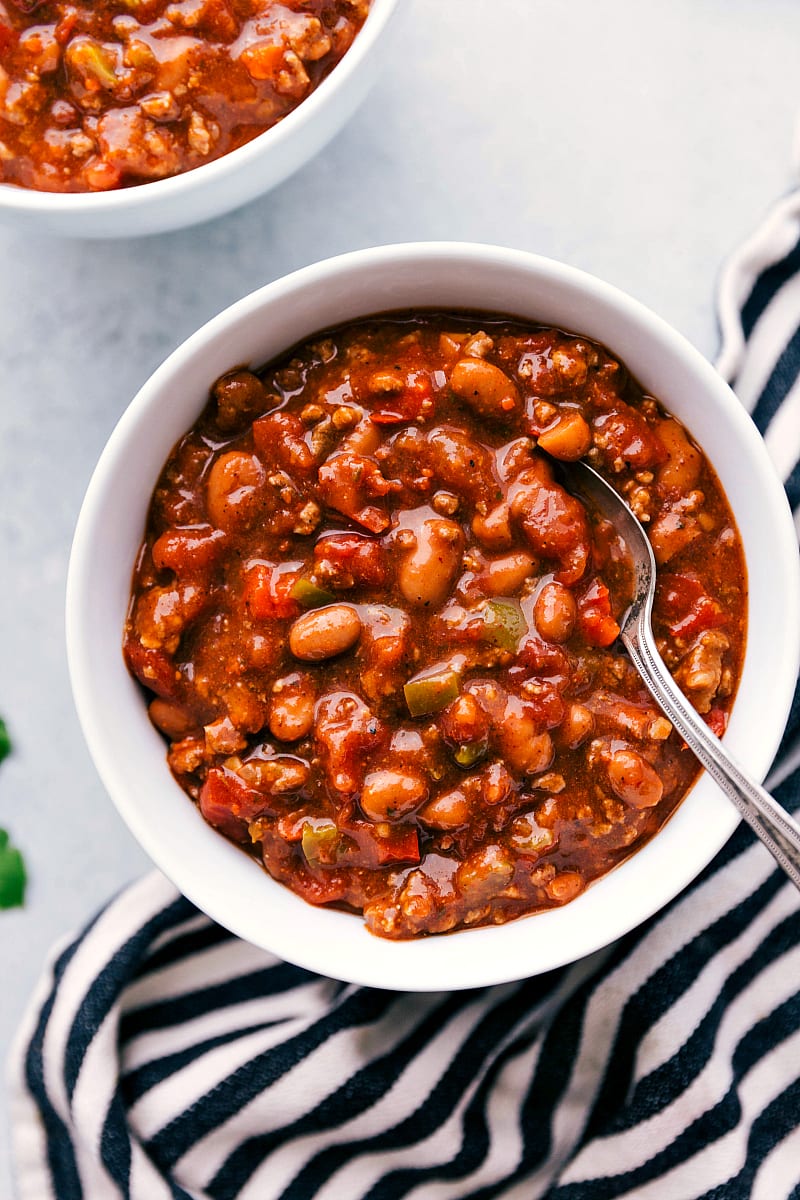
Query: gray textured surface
<point x="641" y="142"/>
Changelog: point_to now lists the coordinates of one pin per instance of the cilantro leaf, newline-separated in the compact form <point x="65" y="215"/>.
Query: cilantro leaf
<point x="12" y="874"/>
<point x="5" y="741"/>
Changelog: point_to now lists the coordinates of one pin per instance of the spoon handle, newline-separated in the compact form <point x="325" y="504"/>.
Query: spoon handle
<point x="768" y="820"/>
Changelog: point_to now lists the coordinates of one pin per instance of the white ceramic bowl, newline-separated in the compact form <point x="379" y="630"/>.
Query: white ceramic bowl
<point x="130" y="755"/>
<point x="223" y="184"/>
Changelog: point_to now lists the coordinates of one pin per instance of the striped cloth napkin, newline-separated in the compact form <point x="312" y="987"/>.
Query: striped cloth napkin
<point x="162" y="1057"/>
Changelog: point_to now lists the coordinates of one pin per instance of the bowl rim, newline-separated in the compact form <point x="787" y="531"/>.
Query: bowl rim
<point x="15" y="198"/>
<point x="418" y="965"/>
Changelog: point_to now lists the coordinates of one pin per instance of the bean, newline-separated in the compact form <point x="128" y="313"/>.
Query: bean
<point x="494" y="530"/>
<point x="222" y="737"/>
<point x="291" y="713"/>
<point x="522" y="746"/>
<point x="564" y="887"/>
<point x="450" y="810"/>
<point x="275" y="776"/>
<point x="428" y="568"/>
<point x="505" y="576"/>
<point x="324" y="632"/>
<point x="231" y="488"/>
<point x="485" y="388"/>
<point x="577" y="725"/>
<point x="634" y="780"/>
<point x="568" y="439"/>
<point x="554" y="612"/>
<point x="682" y="469"/>
<point x="464" y="720"/>
<point x="364" y="439"/>
<point x="671" y="532"/>
<point x="172" y="719"/>
<point x="390" y="793"/>
<point x="496" y="783"/>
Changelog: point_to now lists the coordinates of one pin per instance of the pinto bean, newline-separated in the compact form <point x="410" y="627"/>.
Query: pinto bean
<point x="171" y="718"/>
<point x="450" y="810"/>
<point x="494" y="530"/>
<point x="553" y="521"/>
<point x="516" y="729"/>
<point x="388" y="793"/>
<point x="275" y="776"/>
<point x="485" y="388"/>
<point x="429" y="566"/>
<point x="325" y="632"/>
<point x="291" y="713"/>
<point x="673" y="531"/>
<point x="633" y="779"/>
<point x="232" y="489"/>
<point x="681" y="471"/>
<point x="524" y="749"/>
<point x="564" y="887"/>
<point x="363" y="439"/>
<point x="577" y="725"/>
<point x="505" y="576"/>
<point x="555" y="612"/>
<point x="464" y="720"/>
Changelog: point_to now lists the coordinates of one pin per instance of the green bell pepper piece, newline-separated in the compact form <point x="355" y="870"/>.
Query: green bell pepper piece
<point x="310" y="595"/>
<point x="504" y="624"/>
<point x="432" y="691"/>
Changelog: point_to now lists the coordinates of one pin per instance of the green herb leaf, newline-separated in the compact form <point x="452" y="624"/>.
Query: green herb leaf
<point x="5" y="741"/>
<point x="12" y="874"/>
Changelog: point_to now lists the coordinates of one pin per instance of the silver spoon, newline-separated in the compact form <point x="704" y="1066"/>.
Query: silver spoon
<point x="768" y="820"/>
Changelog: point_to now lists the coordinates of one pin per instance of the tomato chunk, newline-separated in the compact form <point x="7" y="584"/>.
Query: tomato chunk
<point x="363" y="559"/>
<point x="267" y="591"/>
<point x="408" y="404"/>
<point x="153" y="668"/>
<point x="224" y="802"/>
<point x="685" y="607"/>
<point x="595" y="618"/>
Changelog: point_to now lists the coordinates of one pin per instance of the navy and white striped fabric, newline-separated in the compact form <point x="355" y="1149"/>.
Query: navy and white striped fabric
<point x="163" y="1058"/>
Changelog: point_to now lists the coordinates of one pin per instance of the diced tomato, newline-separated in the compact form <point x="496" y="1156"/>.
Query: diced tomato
<point x="406" y="405"/>
<point x="348" y="482"/>
<point x="64" y="28"/>
<point x="717" y="721"/>
<point x="546" y="705"/>
<point x="595" y="618"/>
<point x="267" y="591"/>
<point x="280" y="436"/>
<point x="359" y="556"/>
<point x="400" y="844"/>
<point x="626" y="434"/>
<point x="226" y="803"/>
<point x="7" y="37"/>
<point x="681" y="601"/>
<point x="153" y="668"/>
<point x="187" y="550"/>
<point x="542" y="657"/>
